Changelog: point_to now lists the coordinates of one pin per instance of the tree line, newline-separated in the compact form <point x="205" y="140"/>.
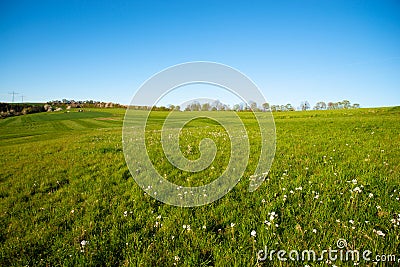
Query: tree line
<point x="253" y="106"/>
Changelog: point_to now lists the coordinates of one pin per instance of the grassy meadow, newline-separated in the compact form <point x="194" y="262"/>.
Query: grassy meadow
<point x="67" y="197"/>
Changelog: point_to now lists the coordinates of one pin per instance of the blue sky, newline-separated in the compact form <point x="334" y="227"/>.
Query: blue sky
<point x="293" y="50"/>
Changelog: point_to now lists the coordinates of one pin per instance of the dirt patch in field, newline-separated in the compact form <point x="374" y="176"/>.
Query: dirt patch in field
<point x="106" y="119"/>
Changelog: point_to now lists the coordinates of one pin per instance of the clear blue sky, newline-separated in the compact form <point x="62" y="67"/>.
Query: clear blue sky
<point x="293" y="50"/>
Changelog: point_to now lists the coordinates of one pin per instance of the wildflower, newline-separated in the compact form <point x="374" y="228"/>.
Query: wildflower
<point x="233" y="225"/>
<point x="263" y="200"/>
<point x="204" y="227"/>
<point x="158" y="217"/>
<point x="84" y="243"/>
<point x="314" y="231"/>
<point x="253" y="233"/>
<point x="370" y="195"/>
<point x="357" y="190"/>
<point x="272" y="215"/>
<point x="125" y="213"/>
<point x="354" y="181"/>
<point x="351" y="221"/>
<point x="379" y="233"/>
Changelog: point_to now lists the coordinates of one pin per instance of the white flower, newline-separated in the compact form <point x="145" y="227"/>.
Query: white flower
<point x="204" y="227"/>
<point x="379" y="232"/>
<point x="263" y="200"/>
<point x="370" y="195"/>
<point x="253" y="233"/>
<point x="351" y="221"/>
<point x="354" y="181"/>
<point x="83" y="243"/>
<point x="314" y="230"/>
<point x="176" y="258"/>
<point x="125" y="213"/>
<point x="357" y="190"/>
<point x="158" y="217"/>
<point x="233" y="225"/>
<point x="272" y="215"/>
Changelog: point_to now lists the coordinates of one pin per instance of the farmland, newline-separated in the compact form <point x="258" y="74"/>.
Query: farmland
<point x="68" y="198"/>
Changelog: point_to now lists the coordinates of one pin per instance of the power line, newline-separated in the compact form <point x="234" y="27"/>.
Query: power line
<point x="22" y="99"/>
<point x="13" y="94"/>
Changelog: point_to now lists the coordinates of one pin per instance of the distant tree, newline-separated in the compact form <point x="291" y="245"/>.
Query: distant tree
<point x="171" y="107"/>
<point x="320" y="105"/>
<point x="356" y="105"/>
<point x="195" y="106"/>
<point x="236" y="107"/>
<point x="177" y="108"/>
<point x="224" y="107"/>
<point x="265" y="106"/>
<point x="253" y="106"/>
<point x="206" y="107"/>
<point x="217" y="104"/>
<point x="305" y="105"/>
<point x="273" y="108"/>
<point x="289" y="107"/>
<point x="346" y="104"/>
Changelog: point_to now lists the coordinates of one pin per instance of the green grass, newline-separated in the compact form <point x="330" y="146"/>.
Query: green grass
<point x="63" y="179"/>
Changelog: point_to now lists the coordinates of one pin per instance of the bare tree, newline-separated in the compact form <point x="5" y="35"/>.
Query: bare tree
<point x="320" y="105"/>
<point x="305" y="105"/>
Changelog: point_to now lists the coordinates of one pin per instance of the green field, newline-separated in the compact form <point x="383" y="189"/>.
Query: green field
<point x="67" y="197"/>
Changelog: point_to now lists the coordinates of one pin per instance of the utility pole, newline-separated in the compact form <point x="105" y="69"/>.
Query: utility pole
<point x="13" y="94"/>
<point x="22" y="99"/>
